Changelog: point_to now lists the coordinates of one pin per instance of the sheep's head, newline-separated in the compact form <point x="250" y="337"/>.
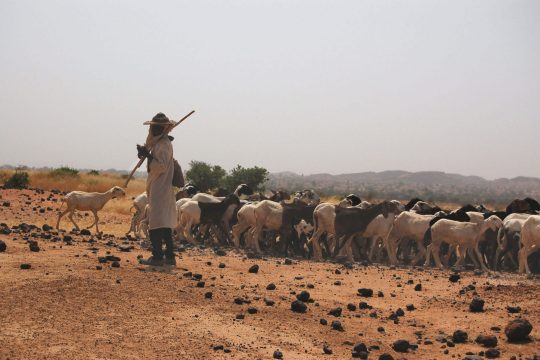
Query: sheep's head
<point x="303" y="227"/>
<point x="117" y="192"/>
<point x="243" y="189"/>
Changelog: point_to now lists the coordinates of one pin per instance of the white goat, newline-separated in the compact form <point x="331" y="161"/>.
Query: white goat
<point x="409" y="226"/>
<point x="139" y="204"/>
<point x="464" y="235"/>
<point x="84" y="201"/>
<point x="530" y="242"/>
<point x="246" y="221"/>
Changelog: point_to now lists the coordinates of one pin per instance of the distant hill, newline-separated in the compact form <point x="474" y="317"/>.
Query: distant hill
<point x="429" y="185"/>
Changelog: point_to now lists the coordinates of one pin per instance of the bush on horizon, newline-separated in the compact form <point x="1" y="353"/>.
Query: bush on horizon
<point x="64" y="171"/>
<point x="19" y="180"/>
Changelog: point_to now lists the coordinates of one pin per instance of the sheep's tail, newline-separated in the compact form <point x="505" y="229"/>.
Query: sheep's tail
<point x="427" y="237"/>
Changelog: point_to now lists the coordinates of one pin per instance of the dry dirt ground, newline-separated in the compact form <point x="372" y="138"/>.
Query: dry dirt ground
<point x="68" y="305"/>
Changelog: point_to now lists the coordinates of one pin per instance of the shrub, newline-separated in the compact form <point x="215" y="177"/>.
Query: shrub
<point x="19" y="180"/>
<point x="93" y="172"/>
<point x="64" y="171"/>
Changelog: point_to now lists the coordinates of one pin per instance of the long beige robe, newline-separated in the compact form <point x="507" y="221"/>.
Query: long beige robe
<point x="161" y="197"/>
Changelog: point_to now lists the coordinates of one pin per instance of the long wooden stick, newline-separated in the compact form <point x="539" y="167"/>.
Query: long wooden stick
<point x="165" y="133"/>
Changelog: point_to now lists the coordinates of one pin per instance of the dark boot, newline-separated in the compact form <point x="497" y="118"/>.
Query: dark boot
<point x="170" y="258"/>
<point x="157" y="252"/>
<point x="152" y="261"/>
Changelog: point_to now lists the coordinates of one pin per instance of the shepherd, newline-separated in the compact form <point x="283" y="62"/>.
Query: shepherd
<point x="159" y="187"/>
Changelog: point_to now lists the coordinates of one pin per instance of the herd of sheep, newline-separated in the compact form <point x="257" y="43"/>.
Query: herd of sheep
<point x="352" y="229"/>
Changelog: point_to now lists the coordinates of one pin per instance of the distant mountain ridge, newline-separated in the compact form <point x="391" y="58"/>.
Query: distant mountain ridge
<point x="398" y="184"/>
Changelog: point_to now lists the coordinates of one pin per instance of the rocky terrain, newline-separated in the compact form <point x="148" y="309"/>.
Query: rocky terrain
<point x="72" y="295"/>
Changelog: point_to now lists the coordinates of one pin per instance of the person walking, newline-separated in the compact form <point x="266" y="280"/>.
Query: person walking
<point x="161" y="197"/>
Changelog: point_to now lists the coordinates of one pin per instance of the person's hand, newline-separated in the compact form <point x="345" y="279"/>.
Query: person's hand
<point x="142" y="152"/>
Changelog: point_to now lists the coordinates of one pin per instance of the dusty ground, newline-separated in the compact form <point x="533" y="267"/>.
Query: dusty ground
<point x="65" y="307"/>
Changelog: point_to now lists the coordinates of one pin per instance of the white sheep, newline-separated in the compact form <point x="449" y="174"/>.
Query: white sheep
<point x="84" y="201"/>
<point x="139" y="204"/>
<point x="246" y="221"/>
<point x="464" y="235"/>
<point x="530" y="242"/>
<point x="407" y="226"/>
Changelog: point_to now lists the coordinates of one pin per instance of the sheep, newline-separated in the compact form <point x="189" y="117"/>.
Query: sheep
<point x="527" y="205"/>
<point x="508" y="238"/>
<point x="198" y="213"/>
<point x="291" y="216"/>
<point x="530" y="242"/>
<point x="246" y="220"/>
<point x="407" y="226"/>
<point x="423" y="208"/>
<point x="139" y="204"/>
<point x="353" y="221"/>
<point x="309" y="197"/>
<point x="464" y="235"/>
<point x="84" y="201"/>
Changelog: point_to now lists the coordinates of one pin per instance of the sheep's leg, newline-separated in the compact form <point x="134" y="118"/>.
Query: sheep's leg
<point x="461" y="253"/>
<point x="315" y="238"/>
<point x="72" y="220"/>
<point x="421" y="252"/>
<point x="255" y="238"/>
<point x="188" y="233"/>
<point x="373" y="247"/>
<point x="391" y="245"/>
<point x="511" y="259"/>
<point x="97" y="221"/>
<point x="446" y="257"/>
<point x="428" y="255"/>
<point x="60" y="216"/>
<point x="435" y="252"/>
<point x="237" y="231"/>
<point x="524" y="260"/>
<point x="480" y="258"/>
<point x="498" y="255"/>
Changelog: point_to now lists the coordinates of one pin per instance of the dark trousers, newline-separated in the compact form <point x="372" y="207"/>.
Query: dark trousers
<point x="157" y="238"/>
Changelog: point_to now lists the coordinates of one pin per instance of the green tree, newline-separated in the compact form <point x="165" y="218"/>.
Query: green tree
<point x="254" y="177"/>
<point x="205" y="176"/>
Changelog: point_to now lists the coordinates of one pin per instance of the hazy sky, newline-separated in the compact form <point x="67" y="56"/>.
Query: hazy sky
<point x="306" y="86"/>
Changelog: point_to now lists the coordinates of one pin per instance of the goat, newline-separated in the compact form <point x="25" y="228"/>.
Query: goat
<point x="351" y="222"/>
<point x="530" y="242"/>
<point x="246" y="220"/>
<point x="139" y="204"/>
<point x="423" y="208"/>
<point x="508" y="238"/>
<point x="199" y="213"/>
<point x="527" y="205"/>
<point x="292" y="215"/>
<point x="464" y="235"/>
<point x="84" y="201"/>
<point x="408" y="226"/>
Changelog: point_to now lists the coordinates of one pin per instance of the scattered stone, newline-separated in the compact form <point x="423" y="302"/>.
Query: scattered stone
<point x="85" y="232"/>
<point x="364" y="305"/>
<point x="336" y="325"/>
<point x="487" y="340"/>
<point x="365" y="292"/>
<point x="201" y="284"/>
<point x="220" y="252"/>
<point x="34" y="247"/>
<point x="513" y="309"/>
<point x="125" y="247"/>
<point x="3" y="246"/>
<point x="298" y="306"/>
<point x="410" y="307"/>
<point x="476" y="305"/>
<point x="351" y="307"/>
<point x="360" y="351"/>
<point x="115" y="264"/>
<point x="269" y="302"/>
<point x="492" y="353"/>
<point x="454" y="278"/>
<point x="460" y="337"/>
<point x="335" y="312"/>
<point x="240" y="317"/>
<point x="288" y="261"/>
<point x="401" y="345"/>
<point x="327" y="350"/>
<point x="208" y="295"/>
<point x="380" y="294"/>
<point x="400" y="312"/>
<point x="303" y="296"/>
<point x="418" y="287"/>
<point x="278" y="354"/>
<point x="99" y="267"/>
<point x="323" y="322"/>
<point x="386" y="356"/>
<point x="217" y="347"/>
<point x="254" y="269"/>
<point x="221" y="266"/>
<point x="518" y="330"/>
<point x="25" y="266"/>
<point x="271" y="286"/>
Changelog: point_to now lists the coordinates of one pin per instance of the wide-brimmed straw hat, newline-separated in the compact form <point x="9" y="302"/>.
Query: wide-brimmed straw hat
<point x="159" y="119"/>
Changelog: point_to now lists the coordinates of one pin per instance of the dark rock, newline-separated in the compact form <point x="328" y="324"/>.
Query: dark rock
<point x="335" y="312"/>
<point x="278" y="354"/>
<point x="125" y="247"/>
<point x="460" y="337"/>
<point x="271" y="286"/>
<point x="487" y="340"/>
<point x="518" y="330"/>
<point x="336" y="325"/>
<point x="365" y="292"/>
<point x="269" y="302"/>
<point x="386" y="356"/>
<point x="3" y="246"/>
<point x="34" y="247"/>
<point x="360" y="351"/>
<point x="298" y="306"/>
<point x="303" y="296"/>
<point x="418" y="287"/>
<point x="112" y="258"/>
<point x="254" y="269"/>
<point x="221" y="266"/>
<point x="400" y="312"/>
<point x="220" y="252"/>
<point x="252" y="310"/>
<point x="240" y="316"/>
<point x="288" y="261"/>
<point x="327" y="350"/>
<point x="410" y="307"/>
<point x="208" y="295"/>
<point x="454" y="278"/>
<point x="217" y="347"/>
<point x="115" y="264"/>
<point x="99" y="267"/>
<point x="492" y="353"/>
<point x="476" y="305"/>
<point x="351" y="307"/>
<point x="401" y="345"/>
<point x="513" y="309"/>
<point x="46" y="227"/>
<point x="201" y="284"/>
<point x="323" y="322"/>
<point x="25" y="266"/>
<point x="364" y="305"/>
<point x="380" y="294"/>
<point x="85" y="232"/>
